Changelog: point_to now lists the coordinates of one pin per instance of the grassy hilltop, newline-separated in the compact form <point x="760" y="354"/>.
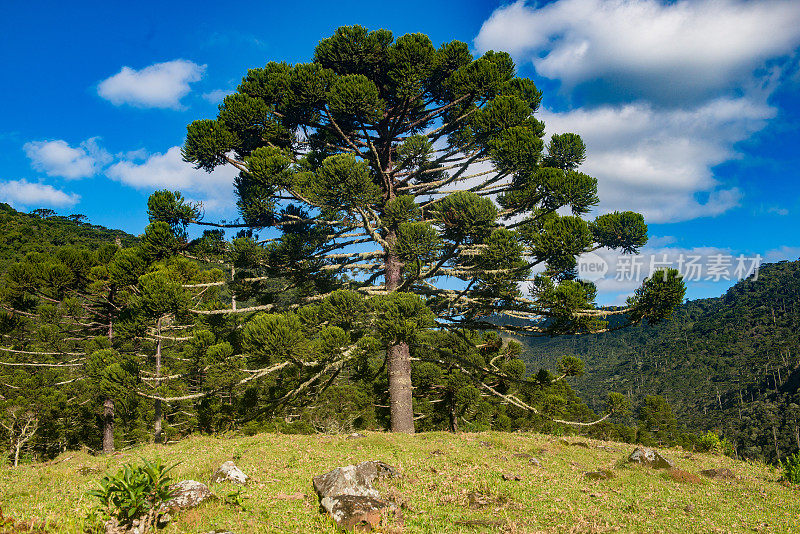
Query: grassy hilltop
<point x="448" y="484"/>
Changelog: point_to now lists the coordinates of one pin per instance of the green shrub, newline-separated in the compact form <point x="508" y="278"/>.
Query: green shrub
<point x="134" y="493"/>
<point x="791" y="468"/>
<point x="710" y="442"/>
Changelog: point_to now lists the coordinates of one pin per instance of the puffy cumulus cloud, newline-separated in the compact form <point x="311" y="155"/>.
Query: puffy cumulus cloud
<point x="24" y="194"/>
<point x="663" y="51"/>
<point x="58" y="158"/>
<point x="168" y="171"/>
<point x="161" y="85"/>
<point x="659" y="161"/>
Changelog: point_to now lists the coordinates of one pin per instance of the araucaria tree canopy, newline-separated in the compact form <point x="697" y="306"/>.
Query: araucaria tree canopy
<point x="437" y="160"/>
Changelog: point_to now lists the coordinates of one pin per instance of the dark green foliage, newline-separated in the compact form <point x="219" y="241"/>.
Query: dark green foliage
<point x="565" y="152"/>
<point x="466" y="217"/>
<point x="113" y="375"/>
<point x="402" y="317"/>
<point x="626" y="231"/>
<point x="170" y="207"/>
<point x="657" y="297"/>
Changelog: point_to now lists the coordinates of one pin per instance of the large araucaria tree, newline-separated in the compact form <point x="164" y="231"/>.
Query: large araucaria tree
<point x="425" y="171"/>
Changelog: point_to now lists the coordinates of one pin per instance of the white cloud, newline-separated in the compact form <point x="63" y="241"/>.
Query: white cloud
<point x="665" y="51"/>
<point x="21" y="193"/>
<point x="660" y="162"/>
<point x="700" y="266"/>
<point x="782" y="253"/>
<point x="58" y="158"/>
<point x="775" y="210"/>
<point x="168" y="170"/>
<point x="217" y="95"/>
<point x="161" y="85"/>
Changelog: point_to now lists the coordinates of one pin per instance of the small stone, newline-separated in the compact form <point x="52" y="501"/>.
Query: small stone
<point x="511" y="476"/>
<point x="534" y="461"/>
<point x="228" y="472"/>
<point x="649" y="458"/>
<point x="437" y="452"/>
<point x="355" y="435"/>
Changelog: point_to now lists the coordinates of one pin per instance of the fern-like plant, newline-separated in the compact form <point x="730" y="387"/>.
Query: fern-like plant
<point x="135" y="493"/>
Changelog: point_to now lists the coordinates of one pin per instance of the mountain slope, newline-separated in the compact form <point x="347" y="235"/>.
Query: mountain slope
<point x="22" y="233"/>
<point x="729" y="364"/>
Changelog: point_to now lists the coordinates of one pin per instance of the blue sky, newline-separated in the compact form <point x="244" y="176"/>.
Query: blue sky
<point x="689" y="109"/>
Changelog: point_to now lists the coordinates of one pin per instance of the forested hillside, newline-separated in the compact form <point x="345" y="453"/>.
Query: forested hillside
<point x="44" y="231"/>
<point x="105" y="346"/>
<point x="726" y="364"/>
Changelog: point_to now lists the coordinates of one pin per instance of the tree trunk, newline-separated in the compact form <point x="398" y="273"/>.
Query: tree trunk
<point x="233" y="295"/>
<point x="797" y="434"/>
<point x="775" y="439"/>
<point x="16" y="453"/>
<point x="400" y="398"/>
<point x="157" y="415"/>
<point x="108" y="426"/>
<point x="398" y="361"/>
<point x="453" y="417"/>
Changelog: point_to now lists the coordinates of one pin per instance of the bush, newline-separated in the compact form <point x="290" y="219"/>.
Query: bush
<point x="710" y="442"/>
<point x="134" y="493"/>
<point x="791" y="468"/>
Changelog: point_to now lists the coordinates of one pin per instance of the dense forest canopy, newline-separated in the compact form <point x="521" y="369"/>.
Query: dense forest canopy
<point x="42" y="230"/>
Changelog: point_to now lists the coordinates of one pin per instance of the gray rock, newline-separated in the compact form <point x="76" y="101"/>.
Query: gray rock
<point x="188" y="494"/>
<point x="353" y="480"/>
<point x="347" y="495"/>
<point x="228" y="472"/>
<point x="649" y="458"/>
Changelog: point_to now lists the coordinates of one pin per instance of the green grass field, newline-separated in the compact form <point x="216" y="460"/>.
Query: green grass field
<point x="448" y="483"/>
